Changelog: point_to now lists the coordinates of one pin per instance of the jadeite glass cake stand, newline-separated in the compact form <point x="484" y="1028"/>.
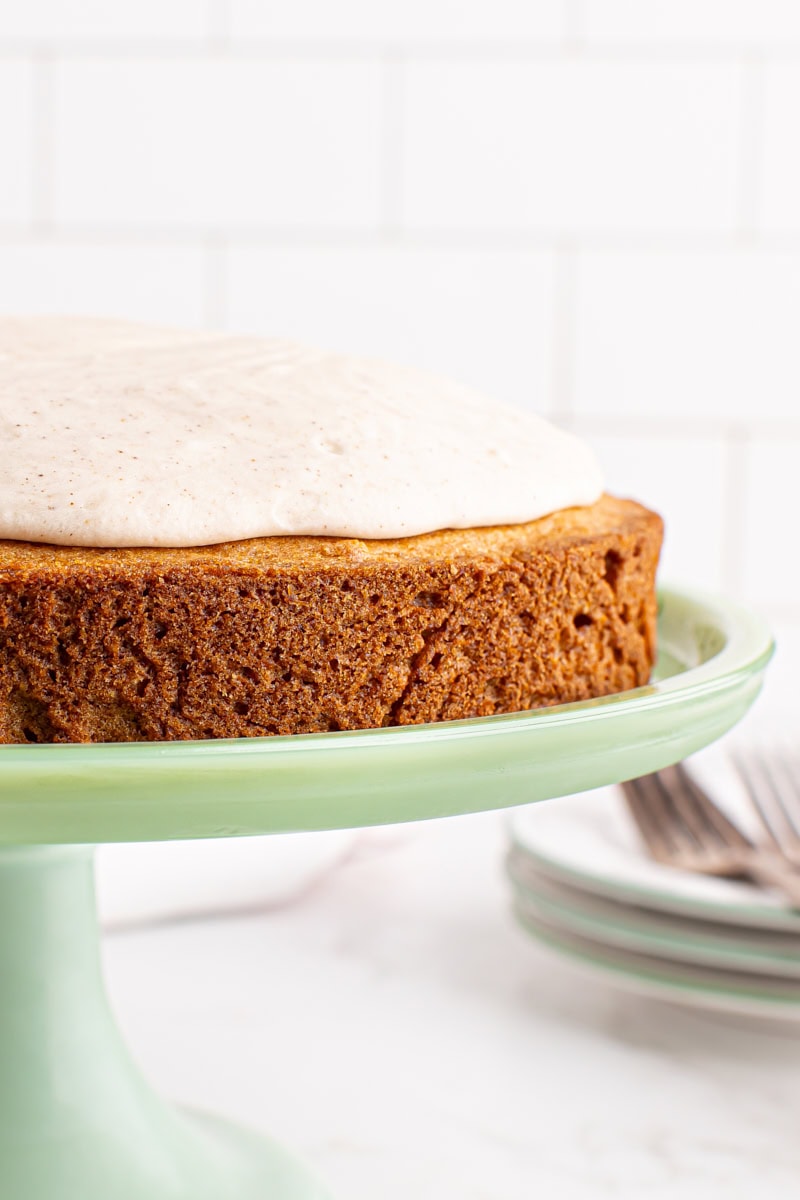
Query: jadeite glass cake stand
<point x="77" y="1120"/>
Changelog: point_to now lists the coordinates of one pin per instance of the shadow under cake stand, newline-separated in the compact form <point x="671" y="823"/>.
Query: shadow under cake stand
<point x="77" y="1120"/>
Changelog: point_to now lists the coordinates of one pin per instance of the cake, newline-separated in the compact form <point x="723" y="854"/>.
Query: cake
<point x="289" y="632"/>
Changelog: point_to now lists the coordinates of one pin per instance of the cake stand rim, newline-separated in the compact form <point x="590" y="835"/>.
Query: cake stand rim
<point x="748" y="648"/>
<point x="158" y="791"/>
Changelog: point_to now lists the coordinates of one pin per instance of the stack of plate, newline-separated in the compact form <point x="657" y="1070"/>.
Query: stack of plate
<point x="583" y="884"/>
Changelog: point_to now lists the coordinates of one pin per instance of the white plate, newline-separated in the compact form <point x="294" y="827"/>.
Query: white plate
<point x="589" y="840"/>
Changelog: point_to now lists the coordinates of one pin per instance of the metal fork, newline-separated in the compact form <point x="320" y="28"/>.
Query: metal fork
<point x="772" y="785"/>
<point x="683" y="827"/>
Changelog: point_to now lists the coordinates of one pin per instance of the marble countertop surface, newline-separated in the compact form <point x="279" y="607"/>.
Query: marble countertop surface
<point x="397" y="1029"/>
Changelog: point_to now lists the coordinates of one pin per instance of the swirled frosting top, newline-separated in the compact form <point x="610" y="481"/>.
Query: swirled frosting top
<point x="118" y="434"/>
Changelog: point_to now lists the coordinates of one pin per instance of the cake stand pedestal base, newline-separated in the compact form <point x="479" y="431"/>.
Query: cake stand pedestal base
<point x="77" y="1120"/>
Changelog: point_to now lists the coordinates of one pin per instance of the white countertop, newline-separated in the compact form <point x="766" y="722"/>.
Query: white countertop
<point x="397" y="1030"/>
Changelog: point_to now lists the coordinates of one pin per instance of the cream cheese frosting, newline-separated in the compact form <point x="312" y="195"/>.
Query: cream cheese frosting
<point x="119" y="434"/>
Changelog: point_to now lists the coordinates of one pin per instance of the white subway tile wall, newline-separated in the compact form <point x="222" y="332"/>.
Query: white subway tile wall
<point x="770" y="534"/>
<point x="17" y="131"/>
<point x="712" y="23"/>
<point x="590" y="208"/>
<point x="149" y="283"/>
<point x="774" y="718"/>
<point x="779" y="201"/>
<point x="698" y="335"/>
<point x="217" y="143"/>
<point x="426" y="21"/>
<point x="570" y="146"/>
<point x="649" y="465"/>
<point x="485" y="317"/>
<point x="67" y="21"/>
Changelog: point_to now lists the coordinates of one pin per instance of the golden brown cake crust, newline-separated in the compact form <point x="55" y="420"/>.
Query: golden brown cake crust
<point x="301" y="634"/>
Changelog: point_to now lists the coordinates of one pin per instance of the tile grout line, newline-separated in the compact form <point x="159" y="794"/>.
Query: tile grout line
<point x="775" y="429"/>
<point x="572" y="44"/>
<point x="751" y="146"/>
<point x="467" y="241"/>
<point x="43" y="145"/>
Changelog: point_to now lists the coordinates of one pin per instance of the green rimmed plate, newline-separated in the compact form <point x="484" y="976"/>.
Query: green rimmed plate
<point x="660" y="935"/>
<point x="712" y="659"/>
<point x="678" y="982"/>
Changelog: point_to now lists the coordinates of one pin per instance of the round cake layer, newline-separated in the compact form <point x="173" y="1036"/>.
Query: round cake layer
<point x="302" y="634"/>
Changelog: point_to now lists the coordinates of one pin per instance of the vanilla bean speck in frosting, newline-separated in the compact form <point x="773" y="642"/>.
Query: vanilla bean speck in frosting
<point x="116" y="434"/>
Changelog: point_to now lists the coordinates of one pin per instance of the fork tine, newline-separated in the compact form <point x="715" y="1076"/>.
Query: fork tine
<point x="688" y="814"/>
<point x="683" y="816"/>
<point x="662" y="829"/>
<point x="682" y="827"/>
<point x="761" y="793"/>
<point x="784" y="783"/>
<point x="655" y="832"/>
<point x="700" y="810"/>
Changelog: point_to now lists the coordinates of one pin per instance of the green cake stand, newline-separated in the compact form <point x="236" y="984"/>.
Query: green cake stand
<point x="77" y="1120"/>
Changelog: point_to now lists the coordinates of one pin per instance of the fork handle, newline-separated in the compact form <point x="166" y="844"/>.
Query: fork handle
<point x="774" y="872"/>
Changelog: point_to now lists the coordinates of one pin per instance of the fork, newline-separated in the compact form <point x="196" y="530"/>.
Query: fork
<point x="771" y="783"/>
<point x="682" y="827"/>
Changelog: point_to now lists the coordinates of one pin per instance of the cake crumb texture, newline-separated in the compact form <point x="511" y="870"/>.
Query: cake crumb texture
<point x="303" y="634"/>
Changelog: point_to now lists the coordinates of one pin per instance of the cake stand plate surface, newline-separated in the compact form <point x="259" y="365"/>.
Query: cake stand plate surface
<point x="77" y="1120"/>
